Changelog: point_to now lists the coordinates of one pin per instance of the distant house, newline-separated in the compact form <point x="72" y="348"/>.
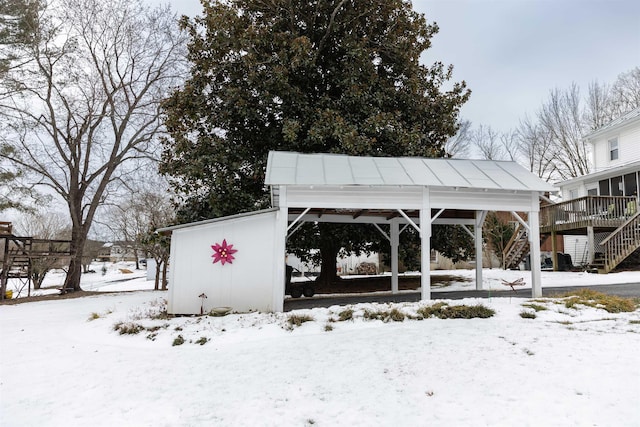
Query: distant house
<point x="609" y="193"/>
<point x="117" y="252"/>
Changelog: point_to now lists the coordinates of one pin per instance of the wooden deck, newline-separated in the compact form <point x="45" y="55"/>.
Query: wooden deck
<point x="573" y="217"/>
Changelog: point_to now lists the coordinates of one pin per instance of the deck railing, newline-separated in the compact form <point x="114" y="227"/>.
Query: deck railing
<point x="588" y="208"/>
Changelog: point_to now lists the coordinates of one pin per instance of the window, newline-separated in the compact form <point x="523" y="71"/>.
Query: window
<point x="616" y="186"/>
<point x="630" y="185"/>
<point x="604" y="187"/>
<point x="613" y="149"/>
<point x="592" y="192"/>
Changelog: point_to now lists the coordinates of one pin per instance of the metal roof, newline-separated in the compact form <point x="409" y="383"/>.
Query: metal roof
<point x="290" y="168"/>
<point x="171" y="228"/>
<point x="616" y="123"/>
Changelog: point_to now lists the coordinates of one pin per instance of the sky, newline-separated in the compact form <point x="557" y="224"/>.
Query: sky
<point x="512" y="53"/>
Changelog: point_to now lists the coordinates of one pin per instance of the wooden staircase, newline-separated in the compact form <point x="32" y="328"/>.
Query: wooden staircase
<point x="518" y="247"/>
<point x="19" y="260"/>
<point x="619" y="245"/>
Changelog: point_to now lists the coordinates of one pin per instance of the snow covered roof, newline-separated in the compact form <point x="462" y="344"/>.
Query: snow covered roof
<point x="290" y="168"/>
<point x="623" y="120"/>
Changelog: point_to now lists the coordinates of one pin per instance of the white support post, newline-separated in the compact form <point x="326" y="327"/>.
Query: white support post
<point x="477" y="228"/>
<point x="425" y="239"/>
<point x="591" y="245"/>
<point x="280" y="247"/>
<point x="395" y="243"/>
<point x="534" y="244"/>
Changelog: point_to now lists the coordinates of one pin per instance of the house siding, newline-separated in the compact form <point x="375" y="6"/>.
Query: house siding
<point x="628" y="148"/>
<point x="631" y="145"/>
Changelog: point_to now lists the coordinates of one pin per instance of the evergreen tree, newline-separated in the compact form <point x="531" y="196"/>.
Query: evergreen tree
<point x="324" y="76"/>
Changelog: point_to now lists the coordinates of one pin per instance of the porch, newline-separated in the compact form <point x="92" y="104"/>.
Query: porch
<point x="616" y="216"/>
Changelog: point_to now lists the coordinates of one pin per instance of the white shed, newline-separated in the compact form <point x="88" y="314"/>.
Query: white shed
<point x="389" y="193"/>
<point x="243" y="280"/>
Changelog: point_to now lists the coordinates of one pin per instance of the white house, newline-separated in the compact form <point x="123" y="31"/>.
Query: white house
<point x="239" y="261"/>
<point x="615" y="150"/>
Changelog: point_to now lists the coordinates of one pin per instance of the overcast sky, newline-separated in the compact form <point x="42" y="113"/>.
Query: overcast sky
<point x="512" y="53"/>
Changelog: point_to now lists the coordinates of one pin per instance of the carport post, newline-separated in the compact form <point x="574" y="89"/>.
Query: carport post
<point x="534" y="244"/>
<point x="425" y="245"/>
<point x="477" y="229"/>
<point x="280" y="247"/>
<point x="395" y="242"/>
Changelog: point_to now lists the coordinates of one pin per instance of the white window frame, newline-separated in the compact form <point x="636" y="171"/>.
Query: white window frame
<point x="614" y="149"/>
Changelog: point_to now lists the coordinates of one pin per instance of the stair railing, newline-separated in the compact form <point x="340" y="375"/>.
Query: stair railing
<point x="621" y="242"/>
<point x="514" y="246"/>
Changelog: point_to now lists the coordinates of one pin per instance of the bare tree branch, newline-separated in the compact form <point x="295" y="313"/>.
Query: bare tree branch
<point x="89" y="100"/>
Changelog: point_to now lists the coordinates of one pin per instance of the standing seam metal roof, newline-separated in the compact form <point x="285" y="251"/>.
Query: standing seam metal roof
<point x="290" y="168"/>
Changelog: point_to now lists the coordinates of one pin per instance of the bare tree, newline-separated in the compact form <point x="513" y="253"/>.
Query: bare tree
<point x="626" y="92"/>
<point x="155" y="211"/>
<point x="599" y="106"/>
<point x="88" y="105"/>
<point x="487" y="141"/>
<point x="43" y="225"/>
<point x="561" y="117"/>
<point x="510" y="145"/>
<point x="459" y="144"/>
<point x="145" y="208"/>
<point x="536" y="148"/>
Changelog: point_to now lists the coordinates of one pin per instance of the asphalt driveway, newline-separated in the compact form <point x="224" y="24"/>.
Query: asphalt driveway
<point x="625" y="290"/>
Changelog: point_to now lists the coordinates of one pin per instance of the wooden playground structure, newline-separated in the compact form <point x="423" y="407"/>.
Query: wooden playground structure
<point x="19" y="255"/>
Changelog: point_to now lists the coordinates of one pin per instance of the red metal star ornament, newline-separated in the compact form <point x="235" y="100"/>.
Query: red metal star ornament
<point x="223" y="253"/>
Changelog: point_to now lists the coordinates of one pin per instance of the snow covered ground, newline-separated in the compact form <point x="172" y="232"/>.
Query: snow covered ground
<point x="63" y="364"/>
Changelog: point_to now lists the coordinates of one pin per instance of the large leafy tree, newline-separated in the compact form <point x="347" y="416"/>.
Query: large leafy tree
<point x="324" y="76"/>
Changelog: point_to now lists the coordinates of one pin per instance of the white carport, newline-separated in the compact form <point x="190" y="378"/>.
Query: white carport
<point x="405" y="191"/>
<point x="398" y="192"/>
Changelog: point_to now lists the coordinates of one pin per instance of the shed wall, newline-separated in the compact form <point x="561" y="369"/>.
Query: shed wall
<point x="244" y="285"/>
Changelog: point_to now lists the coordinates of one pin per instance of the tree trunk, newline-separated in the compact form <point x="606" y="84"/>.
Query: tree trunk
<point x="156" y="285"/>
<point x="78" y="240"/>
<point x="164" y="274"/>
<point x="329" y="266"/>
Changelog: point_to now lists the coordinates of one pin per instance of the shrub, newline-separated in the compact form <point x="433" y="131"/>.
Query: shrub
<point x="328" y="328"/>
<point x="527" y="314"/>
<point x="345" y="315"/>
<point x="591" y="298"/>
<point x="536" y="307"/>
<point x="179" y="340"/>
<point x="444" y="311"/>
<point x="128" y="328"/>
<point x="431" y="310"/>
<point x="396" y="315"/>
<point x="202" y="340"/>
<point x="299" y="319"/>
<point x="393" y="315"/>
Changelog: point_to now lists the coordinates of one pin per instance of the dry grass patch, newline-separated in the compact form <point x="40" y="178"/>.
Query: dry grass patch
<point x="591" y="298"/>
<point x="444" y="311"/>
